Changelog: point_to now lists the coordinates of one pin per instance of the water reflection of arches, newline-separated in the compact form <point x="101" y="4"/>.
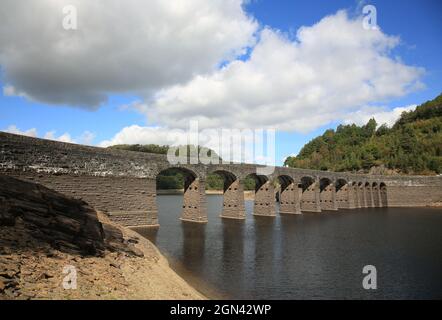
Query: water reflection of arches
<point x="264" y="245"/>
<point x="289" y="195"/>
<point x="310" y="195"/>
<point x="383" y="195"/>
<point x="194" y="202"/>
<point x="194" y="241"/>
<point x="264" y="202"/>
<point x="233" y="196"/>
<point x="327" y="194"/>
<point x="233" y="243"/>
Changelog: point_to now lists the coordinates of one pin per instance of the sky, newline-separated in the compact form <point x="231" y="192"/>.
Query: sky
<point x="137" y="71"/>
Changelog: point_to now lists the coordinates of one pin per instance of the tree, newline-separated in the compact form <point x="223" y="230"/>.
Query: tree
<point x="412" y="145"/>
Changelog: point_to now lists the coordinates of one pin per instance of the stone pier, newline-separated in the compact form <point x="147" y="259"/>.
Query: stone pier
<point x="194" y="202"/>
<point x="233" y="201"/>
<point x="264" y="204"/>
<point x="327" y="195"/>
<point x="361" y="190"/>
<point x="355" y="189"/>
<point x="368" y="196"/>
<point x="310" y="201"/>
<point x="289" y="198"/>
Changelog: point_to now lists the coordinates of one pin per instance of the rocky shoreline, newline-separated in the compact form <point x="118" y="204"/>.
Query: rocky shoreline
<point x="46" y="238"/>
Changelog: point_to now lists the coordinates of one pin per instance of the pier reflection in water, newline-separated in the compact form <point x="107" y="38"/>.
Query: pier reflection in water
<point x="309" y="256"/>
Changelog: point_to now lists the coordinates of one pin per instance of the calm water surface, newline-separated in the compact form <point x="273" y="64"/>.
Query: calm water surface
<point x="309" y="256"/>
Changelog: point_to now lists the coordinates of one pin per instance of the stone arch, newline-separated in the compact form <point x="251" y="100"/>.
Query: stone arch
<point x="343" y="199"/>
<point x="233" y="195"/>
<point x="327" y="195"/>
<point x="289" y="195"/>
<point x="194" y="207"/>
<point x="341" y="184"/>
<point x="383" y="198"/>
<point x="375" y="194"/>
<point x="310" y="200"/>
<point x="264" y="200"/>
<point x="306" y="182"/>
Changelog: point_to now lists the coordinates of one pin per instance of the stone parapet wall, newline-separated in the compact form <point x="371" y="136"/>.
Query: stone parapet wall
<point x="107" y="194"/>
<point x="134" y="218"/>
<point x="414" y="196"/>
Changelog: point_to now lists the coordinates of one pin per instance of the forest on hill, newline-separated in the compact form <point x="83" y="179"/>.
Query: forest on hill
<point x="413" y="145"/>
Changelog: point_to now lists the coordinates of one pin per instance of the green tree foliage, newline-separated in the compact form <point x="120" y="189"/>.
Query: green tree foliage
<point x="170" y="179"/>
<point x="412" y="145"/>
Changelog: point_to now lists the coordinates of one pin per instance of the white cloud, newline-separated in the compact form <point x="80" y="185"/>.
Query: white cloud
<point x="133" y="46"/>
<point x="144" y="135"/>
<point x="332" y="68"/>
<point x="66" y="137"/>
<point x="10" y="91"/>
<point x="137" y="106"/>
<point x="86" y="137"/>
<point x="380" y="114"/>
<point x="13" y="129"/>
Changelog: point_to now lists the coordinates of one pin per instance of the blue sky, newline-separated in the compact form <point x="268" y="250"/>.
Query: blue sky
<point x="417" y="23"/>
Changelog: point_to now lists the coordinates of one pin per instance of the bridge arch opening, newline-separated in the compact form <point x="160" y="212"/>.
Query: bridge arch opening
<point x="306" y="182"/>
<point x="288" y="195"/>
<point x="264" y="197"/>
<point x="341" y="184"/>
<point x="327" y="194"/>
<point x="342" y="197"/>
<point x="176" y="181"/>
<point x="324" y="183"/>
<point x="310" y="199"/>
<point x="284" y="183"/>
<point x="227" y="177"/>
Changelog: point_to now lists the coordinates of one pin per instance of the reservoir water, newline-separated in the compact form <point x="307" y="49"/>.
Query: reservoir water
<point x="308" y="256"/>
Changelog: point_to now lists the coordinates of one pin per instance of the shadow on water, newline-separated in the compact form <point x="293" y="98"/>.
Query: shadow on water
<point x="308" y="256"/>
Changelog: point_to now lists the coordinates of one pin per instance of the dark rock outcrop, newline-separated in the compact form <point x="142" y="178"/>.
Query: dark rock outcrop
<point x="66" y="224"/>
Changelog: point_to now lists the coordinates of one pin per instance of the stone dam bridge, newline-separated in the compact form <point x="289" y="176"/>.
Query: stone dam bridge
<point x="123" y="183"/>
